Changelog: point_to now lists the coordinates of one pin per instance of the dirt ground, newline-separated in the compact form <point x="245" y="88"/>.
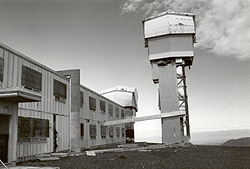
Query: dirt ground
<point x="175" y="157"/>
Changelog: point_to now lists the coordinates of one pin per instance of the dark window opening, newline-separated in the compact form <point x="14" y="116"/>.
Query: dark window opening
<point x="122" y="114"/>
<point x="110" y="110"/>
<point x="60" y="91"/>
<point x="31" y="79"/>
<point x="81" y="99"/>
<point x="92" y="103"/>
<point x="111" y="131"/>
<point x="92" y="131"/>
<point x="103" y="132"/>
<point x="117" y="131"/>
<point x="32" y="129"/>
<point x="102" y="106"/>
<point x="82" y="130"/>
<point x="117" y="112"/>
<point x="123" y="132"/>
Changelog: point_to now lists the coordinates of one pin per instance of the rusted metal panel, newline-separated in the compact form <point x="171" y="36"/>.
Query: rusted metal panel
<point x="169" y="23"/>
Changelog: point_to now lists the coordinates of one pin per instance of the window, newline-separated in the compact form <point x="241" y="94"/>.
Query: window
<point x="32" y="129"/>
<point x="111" y="131"/>
<point x="117" y="131"/>
<point x="92" y="103"/>
<point x="110" y="110"/>
<point x="122" y="114"/>
<point x="123" y="132"/>
<point x="31" y="79"/>
<point x="81" y="99"/>
<point x="82" y="130"/>
<point x="102" y="106"/>
<point x="1" y="69"/>
<point x="60" y="91"/>
<point x="117" y="112"/>
<point x="92" y="131"/>
<point x="103" y="132"/>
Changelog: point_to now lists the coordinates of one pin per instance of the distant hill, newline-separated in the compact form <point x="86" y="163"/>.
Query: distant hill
<point x="241" y="142"/>
<point x="217" y="137"/>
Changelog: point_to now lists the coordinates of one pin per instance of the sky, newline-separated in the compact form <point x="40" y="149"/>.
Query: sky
<point x="104" y="39"/>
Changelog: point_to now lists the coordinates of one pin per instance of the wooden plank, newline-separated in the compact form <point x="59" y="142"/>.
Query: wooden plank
<point x="144" y="118"/>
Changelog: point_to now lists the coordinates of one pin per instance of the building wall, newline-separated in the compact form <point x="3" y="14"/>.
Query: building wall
<point x="45" y="109"/>
<point x="58" y="114"/>
<point x="97" y="118"/>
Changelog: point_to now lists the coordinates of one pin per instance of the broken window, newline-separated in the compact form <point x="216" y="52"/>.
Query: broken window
<point x="60" y="91"/>
<point x="102" y="106"/>
<point x="31" y="79"/>
<point x="32" y="129"/>
<point x="92" y="103"/>
<point x="103" y="132"/>
<point x="111" y="131"/>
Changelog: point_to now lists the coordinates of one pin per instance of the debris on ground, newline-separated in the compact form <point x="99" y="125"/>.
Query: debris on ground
<point x="90" y="153"/>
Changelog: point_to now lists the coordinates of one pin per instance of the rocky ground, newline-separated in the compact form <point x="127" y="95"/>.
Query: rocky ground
<point x="171" y="157"/>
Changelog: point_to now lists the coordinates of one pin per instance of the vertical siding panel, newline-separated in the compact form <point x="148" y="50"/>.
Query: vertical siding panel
<point x="10" y="70"/>
<point x="19" y="71"/>
<point x="15" y="71"/>
<point x="6" y="67"/>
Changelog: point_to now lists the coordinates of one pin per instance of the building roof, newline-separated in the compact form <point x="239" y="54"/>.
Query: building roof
<point x="124" y="89"/>
<point x="169" y="23"/>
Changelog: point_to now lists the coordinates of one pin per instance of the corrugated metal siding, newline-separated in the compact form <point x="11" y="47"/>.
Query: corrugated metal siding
<point x="42" y="110"/>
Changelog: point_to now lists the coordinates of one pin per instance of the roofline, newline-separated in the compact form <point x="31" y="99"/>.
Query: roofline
<point x="26" y="58"/>
<point x="168" y="12"/>
<point x="115" y="91"/>
<point x="101" y="96"/>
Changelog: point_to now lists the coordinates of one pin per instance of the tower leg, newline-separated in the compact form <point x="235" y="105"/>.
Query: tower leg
<point x="168" y="91"/>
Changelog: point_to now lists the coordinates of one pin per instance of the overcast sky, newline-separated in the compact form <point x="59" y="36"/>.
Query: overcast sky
<point x="104" y="38"/>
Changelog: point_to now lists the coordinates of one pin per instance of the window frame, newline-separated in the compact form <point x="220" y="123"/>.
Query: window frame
<point x="111" y="110"/>
<point x="92" y="103"/>
<point x="102" y="106"/>
<point x="92" y="131"/>
<point x="81" y="99"/>
<point x="31" y="79"/>
<point x="56" y="93"/>
<point x="118" y="132"/>
<point x="103" y="132"/>
<point x="117" y="112"/>
<point x="111" y="131"/>
<point x="122" y="114"/>
<point x="34" y="125"/>
<point x="82" y="130"/>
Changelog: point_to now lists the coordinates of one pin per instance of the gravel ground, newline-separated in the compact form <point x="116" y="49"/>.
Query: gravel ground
<point x="175" y="157"/>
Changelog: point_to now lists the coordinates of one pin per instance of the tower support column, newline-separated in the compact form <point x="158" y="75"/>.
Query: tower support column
<point x="168" y="94"/>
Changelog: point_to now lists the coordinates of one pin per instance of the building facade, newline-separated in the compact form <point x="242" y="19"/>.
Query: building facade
<point x="127" y="97"/>
<point x="42" y="110"/>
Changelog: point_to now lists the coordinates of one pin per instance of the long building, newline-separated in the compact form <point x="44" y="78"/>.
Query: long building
<point x="43" y="111"/>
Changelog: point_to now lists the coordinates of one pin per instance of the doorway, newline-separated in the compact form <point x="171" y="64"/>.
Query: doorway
<point x="4" y="137"/>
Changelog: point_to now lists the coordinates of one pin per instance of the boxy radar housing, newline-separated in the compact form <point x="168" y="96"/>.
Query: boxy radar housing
<point x="169" y="37"/>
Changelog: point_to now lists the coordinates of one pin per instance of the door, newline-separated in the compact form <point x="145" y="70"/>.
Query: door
<point x="4" y="137"/>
